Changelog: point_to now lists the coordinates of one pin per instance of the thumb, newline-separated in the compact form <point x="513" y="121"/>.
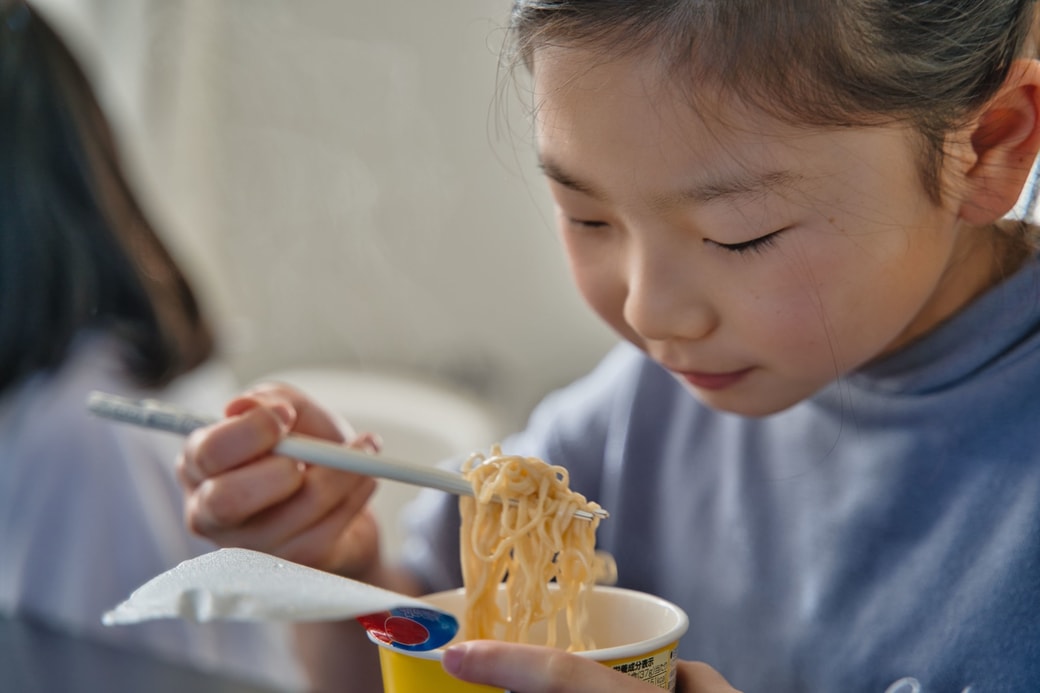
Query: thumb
<point x="533" y="669"/>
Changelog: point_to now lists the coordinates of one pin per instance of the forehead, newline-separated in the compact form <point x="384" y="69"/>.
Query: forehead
<point x="581" y="91"/>
<point x="621" y="124"/>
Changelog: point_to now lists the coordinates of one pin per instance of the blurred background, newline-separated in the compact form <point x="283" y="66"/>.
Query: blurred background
<point x="352" y="187"/>
<point x="351" y="183"/>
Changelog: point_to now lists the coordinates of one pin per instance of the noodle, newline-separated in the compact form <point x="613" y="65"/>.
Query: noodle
<point x="520" y="528"/>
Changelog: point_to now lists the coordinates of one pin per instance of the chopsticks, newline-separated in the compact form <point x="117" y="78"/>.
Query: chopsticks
<point x="163" y="416"/>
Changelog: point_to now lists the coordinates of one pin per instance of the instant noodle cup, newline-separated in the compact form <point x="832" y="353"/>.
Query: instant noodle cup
<point x="635" y="633"/>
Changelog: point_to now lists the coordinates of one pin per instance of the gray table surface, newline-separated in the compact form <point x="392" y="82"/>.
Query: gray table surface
<point x="38" y="659"/>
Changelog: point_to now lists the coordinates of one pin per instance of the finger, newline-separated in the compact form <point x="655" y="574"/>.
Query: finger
<point x="232" y="442"/>
<point x="368" y="441"/>
<point x="309" y="417"/>
<point x="256" y="422"/>
<point x="698" y="677"/>
<point x="230" y="500"/>
<point x="337" y="542"/>
<point x="248" y="508"/>
<point x="532" y="669"/>
<point x="320" y="510"/>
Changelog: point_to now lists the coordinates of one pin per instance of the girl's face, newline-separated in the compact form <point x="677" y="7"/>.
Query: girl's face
<point x="754" y="260"/>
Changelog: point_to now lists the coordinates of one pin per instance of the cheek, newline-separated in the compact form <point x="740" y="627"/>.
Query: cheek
<point x="789" y="323"/>
<point x="802" y="310"/>
<point x="599" y="283"/>
<point x="830" y="323"/>
<point x="603" y="291"/>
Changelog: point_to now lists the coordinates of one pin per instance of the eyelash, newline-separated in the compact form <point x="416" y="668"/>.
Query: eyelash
<point x="587" y="224"/>
<point x="755" y="245"/>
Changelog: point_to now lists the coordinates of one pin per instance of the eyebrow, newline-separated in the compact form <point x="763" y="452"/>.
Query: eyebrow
<point x="744" y="184"/>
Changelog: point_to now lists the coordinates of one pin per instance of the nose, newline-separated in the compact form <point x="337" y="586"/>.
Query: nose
<point x="666" y="299"/>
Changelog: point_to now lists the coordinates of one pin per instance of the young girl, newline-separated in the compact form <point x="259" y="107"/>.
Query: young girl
<point x="819" y="436"/>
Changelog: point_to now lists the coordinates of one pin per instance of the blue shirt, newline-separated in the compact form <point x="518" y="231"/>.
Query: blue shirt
<point x="883" y="535"/>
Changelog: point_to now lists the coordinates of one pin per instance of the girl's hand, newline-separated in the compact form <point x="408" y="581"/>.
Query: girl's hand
<point x="239" y="493"/>
<point x="532" y="669"/>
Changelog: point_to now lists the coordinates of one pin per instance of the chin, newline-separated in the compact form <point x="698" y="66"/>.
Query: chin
<point x="745" y="404"/>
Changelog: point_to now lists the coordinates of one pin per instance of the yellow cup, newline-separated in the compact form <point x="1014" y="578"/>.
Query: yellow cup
<point x="635" y="633"/>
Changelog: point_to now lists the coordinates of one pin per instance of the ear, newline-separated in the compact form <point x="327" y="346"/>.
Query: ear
<point x="1005" y="140"/>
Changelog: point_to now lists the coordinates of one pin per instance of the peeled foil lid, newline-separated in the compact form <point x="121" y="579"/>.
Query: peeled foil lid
<point x="244" y="585"/>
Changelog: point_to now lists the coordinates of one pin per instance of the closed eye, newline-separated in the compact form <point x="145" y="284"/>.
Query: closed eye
<point x="587" y="223"/>
<point x="755" y="245"/>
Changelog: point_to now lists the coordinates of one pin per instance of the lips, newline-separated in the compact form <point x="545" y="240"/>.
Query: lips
<point x="713" y="381"/>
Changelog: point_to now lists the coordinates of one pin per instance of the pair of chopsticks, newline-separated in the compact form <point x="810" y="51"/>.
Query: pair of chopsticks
<point x="163" y="416"/>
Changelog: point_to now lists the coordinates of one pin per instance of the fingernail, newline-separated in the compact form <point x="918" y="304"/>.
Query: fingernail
<point x="285" y="414"/>
<point x="370" y="442"/>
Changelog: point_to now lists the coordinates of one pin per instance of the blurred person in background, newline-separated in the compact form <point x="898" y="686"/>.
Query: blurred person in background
<point x="91" y="299"/>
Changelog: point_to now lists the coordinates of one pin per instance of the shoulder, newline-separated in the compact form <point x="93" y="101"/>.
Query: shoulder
<point x="45" y="420"/>
<point x="573" y="425"/>
<point x="49" y="407"/>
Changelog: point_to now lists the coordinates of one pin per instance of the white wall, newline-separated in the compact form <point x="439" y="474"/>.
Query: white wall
<point x="343" y="185"/>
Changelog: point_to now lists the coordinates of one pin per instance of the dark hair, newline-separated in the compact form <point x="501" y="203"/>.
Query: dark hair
<point x="76" y="249"/>
<point x="815" y="62"/>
